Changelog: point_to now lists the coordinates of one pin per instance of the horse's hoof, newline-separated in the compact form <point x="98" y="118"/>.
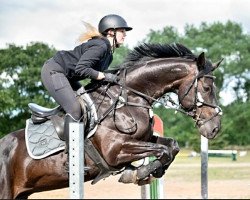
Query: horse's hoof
<point x="128" y="176"/>
<point x="148" y="180"/>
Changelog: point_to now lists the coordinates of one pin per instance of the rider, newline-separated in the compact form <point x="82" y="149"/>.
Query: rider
<point x="61" y="73"/>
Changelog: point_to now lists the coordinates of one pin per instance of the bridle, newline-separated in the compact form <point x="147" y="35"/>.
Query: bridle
<point x="199" y="101"/>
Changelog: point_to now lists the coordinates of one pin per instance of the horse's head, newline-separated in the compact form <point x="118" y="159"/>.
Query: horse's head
<point x="197" y="96"/>
<point x="182" y="71"/>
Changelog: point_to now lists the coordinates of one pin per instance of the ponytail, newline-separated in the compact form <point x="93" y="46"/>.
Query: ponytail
<point x="90" y="33"/>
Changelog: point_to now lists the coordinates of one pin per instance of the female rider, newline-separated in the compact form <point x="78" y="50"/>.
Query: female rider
<point x="61" y="73"/>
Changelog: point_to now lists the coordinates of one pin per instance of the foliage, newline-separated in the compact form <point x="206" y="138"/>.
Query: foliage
<point x="173" y="129"/>
<point x="169" y="34"/>
<point x="234" y="127"/>
<point x="20" y="83"/>
<point x="118" y="56"/>
<point x="236" y="124"/>
<point x="218" y="41"/>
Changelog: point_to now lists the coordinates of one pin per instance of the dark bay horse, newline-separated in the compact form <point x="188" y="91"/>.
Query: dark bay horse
<point x="125" y="134"/>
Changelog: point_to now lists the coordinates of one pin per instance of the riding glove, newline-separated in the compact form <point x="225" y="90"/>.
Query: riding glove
<point x="111" y="78"/>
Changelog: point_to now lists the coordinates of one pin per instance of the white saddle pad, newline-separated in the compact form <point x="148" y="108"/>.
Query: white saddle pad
<point x="42" y="139"/>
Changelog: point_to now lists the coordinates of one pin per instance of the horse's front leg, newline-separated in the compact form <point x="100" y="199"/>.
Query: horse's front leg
<point x="164" y="149"/>
<point x="171" y="143"/>
<point x="156" y="168"/>
<point x="134" y="150"/>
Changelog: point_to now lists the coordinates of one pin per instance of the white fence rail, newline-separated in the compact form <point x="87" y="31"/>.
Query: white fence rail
<point x="223" y="153"/>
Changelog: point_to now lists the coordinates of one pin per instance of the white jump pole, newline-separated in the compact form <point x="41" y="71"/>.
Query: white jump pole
<point x="145" y="189"/>
<point x="156" y="189"/>
<point x="76" y="160"/>
<point x="204" y="167"/>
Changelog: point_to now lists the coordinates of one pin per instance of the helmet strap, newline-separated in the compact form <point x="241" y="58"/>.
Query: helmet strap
<point x="115" y="44"/>
<point x="114" y="41"/>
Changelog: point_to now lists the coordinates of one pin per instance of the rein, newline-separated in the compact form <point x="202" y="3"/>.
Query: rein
<point x="198" y="102"/>
<point x="122" y="99"/>
<point x="125" y="102"/>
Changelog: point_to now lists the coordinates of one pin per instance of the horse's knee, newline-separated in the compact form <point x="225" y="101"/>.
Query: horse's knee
<point x="176" y="148"/>
<point x="171" y="143"/>
<point x="167" y="141"/>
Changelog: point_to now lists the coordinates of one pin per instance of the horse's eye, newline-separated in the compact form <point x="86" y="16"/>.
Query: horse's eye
<point x="206" y="88"/>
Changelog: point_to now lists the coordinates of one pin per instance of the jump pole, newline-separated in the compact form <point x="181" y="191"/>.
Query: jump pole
<point x="204" y="167"/>
<point x="155" y="190"/>
<point x="76" y="160"/>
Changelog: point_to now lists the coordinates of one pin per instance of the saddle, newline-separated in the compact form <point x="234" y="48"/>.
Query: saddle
<point x="44" y="133"/>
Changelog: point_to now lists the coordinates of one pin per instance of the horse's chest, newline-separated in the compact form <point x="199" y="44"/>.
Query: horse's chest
<point x="132" y="121"/>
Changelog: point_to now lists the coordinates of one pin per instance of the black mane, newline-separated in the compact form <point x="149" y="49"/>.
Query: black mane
<point x="151" y="51"/>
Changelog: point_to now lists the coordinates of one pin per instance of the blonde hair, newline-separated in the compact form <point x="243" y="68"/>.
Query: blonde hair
<point x="90" y="32"/>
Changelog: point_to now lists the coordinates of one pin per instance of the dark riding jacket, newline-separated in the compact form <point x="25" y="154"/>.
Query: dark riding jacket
<point x="86" y="60"/>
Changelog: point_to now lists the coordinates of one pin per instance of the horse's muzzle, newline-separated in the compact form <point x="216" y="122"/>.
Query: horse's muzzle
<point x="211" y="128"/>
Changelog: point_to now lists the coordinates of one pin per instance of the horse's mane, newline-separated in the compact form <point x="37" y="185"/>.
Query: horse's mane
<point x="146" y="51"/>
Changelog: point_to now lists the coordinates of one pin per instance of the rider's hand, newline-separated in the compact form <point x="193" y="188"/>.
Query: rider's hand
<point x="111" y="78"/>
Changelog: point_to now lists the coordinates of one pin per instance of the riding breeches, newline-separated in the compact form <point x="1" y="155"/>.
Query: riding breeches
<point x="60" y="88"/>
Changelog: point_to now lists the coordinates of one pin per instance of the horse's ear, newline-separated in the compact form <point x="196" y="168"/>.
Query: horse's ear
<point x="217" y="64"/>
<point x="201" y="61"/>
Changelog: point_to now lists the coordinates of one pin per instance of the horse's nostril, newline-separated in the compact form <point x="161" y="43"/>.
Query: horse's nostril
<point x="215" y="130"/>
<point x="213" y="133"/>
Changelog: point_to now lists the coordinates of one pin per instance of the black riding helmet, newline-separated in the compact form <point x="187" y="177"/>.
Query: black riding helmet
<point x="112" y="22"/>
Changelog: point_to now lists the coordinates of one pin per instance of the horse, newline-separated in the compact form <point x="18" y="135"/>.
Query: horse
<point x="124" y="131"/>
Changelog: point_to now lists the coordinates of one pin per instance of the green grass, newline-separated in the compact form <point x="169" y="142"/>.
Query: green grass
<point x="183" y="156"/>
<point x="219" y="168"/>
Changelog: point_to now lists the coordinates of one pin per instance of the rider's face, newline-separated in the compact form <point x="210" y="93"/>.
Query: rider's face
<point x="120" y="35"/>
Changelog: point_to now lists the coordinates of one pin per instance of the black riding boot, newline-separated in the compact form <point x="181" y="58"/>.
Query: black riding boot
<point x="67" y="120"/>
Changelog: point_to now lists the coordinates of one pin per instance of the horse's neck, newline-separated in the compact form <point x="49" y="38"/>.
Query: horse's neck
<point x="159" y="77"/>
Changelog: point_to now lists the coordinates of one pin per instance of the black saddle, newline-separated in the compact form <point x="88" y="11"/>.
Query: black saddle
<point x="41" y="114"/>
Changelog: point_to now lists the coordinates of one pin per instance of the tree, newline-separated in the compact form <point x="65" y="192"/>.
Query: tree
<point x="169" y="34"/>
<point x="119" y="56"/>
<point x="218" y="41"/>
<point x="21" y="83"/>
<point x="178" y="126"/>
<point x="236" y="124"/>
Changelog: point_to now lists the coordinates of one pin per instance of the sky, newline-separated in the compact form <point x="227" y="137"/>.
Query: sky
<point x="59" y="23"/>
